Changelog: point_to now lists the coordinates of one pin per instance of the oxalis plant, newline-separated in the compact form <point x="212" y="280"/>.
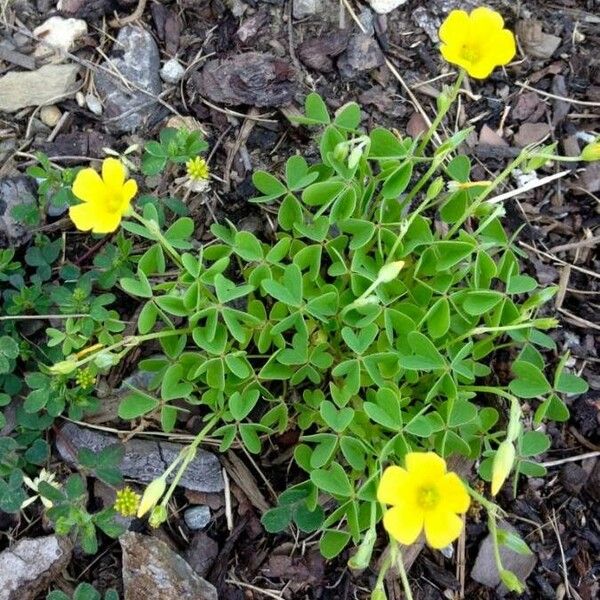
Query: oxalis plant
<point x="367" y="321"/>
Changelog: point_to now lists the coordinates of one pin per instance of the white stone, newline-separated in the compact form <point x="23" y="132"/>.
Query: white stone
<point x="383" y="7"/>
<point x="172" y="71"/>
<point x="94" y="104"/>
<point x="45" y="85"/>
<point x="59" y="36"/>
<point x="306" y="8"/>
<point x="50" y="115"/>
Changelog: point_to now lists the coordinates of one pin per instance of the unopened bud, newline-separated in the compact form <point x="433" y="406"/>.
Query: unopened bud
<point x="390" y="271"/>
<point x="502" y="466"/>
<point x="152" y="494"/>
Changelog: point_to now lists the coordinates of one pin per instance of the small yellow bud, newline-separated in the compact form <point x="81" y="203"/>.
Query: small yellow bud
<point x="390" y="271"/>
<point x="502" y="466"/>
<point x="127" y="502"/>
<point x="591" y="151"/>
<point x="197" y="169"/>
<point x="152" y="494"/>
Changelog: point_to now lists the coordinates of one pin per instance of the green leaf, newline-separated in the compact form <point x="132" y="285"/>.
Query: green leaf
<point x="333" y="542"/>
<point x="269" y="186"/>
<point x="398" y="181"/>
<point x="348" y="116"/>
<point x="568" y="383"/>
<point x="137" y="287"/>
<point x="533" y="443"/>
<point x="530" y="381"/>
<point x="385" y="145"/>
<point x="277" y="519"/>
<point x="459" y="168"/>
<point x="521" y="284"/>
<point x="426" y="356"/>
<point x="316" y="109"/>
<point x="136" y="404"/>
<point x="322" y="193"/>
<point x="337" y="419"/>
<point x="333" y="481"/>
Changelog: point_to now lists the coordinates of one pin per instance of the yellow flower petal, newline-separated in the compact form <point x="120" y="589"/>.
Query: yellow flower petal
<point x="442" y="527"/>
<point x="483" y="18"/>
<point x="113" y="173"/>
<point x="454" y="494"/>
<point x="89" y="187"/>
<point x="129" y="191"/>
<point x="404" y="523"/>
<point x="395" y="482"/>
<point x="425" y="463"/>
<point x="83" y="215"/>
<point x="504" y="47"/>
<point x="106" y="222"/>
<point x="455" y="28"/>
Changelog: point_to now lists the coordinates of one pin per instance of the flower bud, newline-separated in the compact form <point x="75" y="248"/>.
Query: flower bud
<point x="355" y="157"/>
<point x="158" y="516"/>
<point x="64" y="367"/>
<point x="379" y="593"/>
<point x="340" y="152"/>
<point x="152" y="494"/>
<point x="503" y="464"/>
<point x="390" y="271"/>
<point x="362" y="557"/>
<point x="591" y="151"/>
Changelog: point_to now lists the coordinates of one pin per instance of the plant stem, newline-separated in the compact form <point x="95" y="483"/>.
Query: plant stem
<point x="398" y="560"/>
<point x="131" y="341"/>
<point x="452" y="95"/>
<point x="190" y="453"/>
<point x="487" y="191"/>
<point x="153" y="229"/>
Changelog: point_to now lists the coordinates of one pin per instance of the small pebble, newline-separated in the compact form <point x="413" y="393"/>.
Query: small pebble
<point x="50" y="115"/>
<point x="172" y="71"/>
<point x="197" y="517"/>
<point x="94" y="104"/>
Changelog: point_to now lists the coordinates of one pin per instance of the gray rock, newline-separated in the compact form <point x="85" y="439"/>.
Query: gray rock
<point x="202" y="553"/>
<point x="152" y="571"/>
<point x="144" y="460"/>
<point x="136" y="57"/>
<point x="172" y="71"/>
<point x="197" y="517"/>
<point x="485" y="571"/>
<point x="306" y="8"/>
<point x="362" y="54"/>
<point x="28" y="567"/>
<point x="14" y="191"/>
<point x="46" y="85"/>
<point x="253" y="78"/>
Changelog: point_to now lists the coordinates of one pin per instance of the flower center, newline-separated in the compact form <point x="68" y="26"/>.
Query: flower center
<point x="427" y="497"/>
<point x="113" y="202"/>
<point x="470" y="53"/>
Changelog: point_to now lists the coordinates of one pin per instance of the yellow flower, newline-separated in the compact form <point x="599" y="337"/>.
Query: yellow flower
<point x="105" y="200"/>
<point x="477" y="42"/>
<point x="197" y="169"/>
<point x="127" y="502"/>
<point x="423" y="496"/>
<point x="591" y="151"/>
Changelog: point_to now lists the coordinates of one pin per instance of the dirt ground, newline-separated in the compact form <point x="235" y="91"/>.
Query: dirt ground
<point x="394" y="70"/>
